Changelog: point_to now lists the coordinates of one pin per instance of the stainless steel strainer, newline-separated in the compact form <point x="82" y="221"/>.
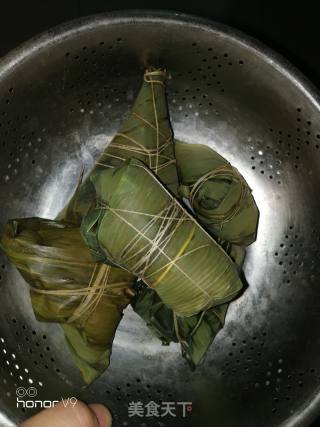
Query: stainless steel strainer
<point x="62" y="96"/>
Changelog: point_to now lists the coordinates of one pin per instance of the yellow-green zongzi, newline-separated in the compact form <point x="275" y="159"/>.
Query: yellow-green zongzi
<point x="218" y="194"/>
<point x="195" y="333"/>
<point x="68" y="287"/>
<point x="140" y="130"/>
<point x="141" y="227"/>
<point x="145" y="134"/>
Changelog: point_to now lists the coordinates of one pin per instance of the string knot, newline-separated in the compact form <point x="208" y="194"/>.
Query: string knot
<point x="155" y="76"/>
<point x="226" y="171"/>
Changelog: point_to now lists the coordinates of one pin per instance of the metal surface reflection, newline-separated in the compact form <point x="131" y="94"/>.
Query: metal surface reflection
<point x="62" y="96"/>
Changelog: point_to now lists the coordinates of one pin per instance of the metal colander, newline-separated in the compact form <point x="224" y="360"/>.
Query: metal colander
<point x="62" y="96"/>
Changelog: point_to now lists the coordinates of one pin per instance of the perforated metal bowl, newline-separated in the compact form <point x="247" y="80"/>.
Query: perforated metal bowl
<point x="62" y="95"/>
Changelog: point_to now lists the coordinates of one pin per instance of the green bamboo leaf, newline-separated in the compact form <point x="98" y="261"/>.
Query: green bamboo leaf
<point x="68" y="287"/>
<point x="160" y="318"/>
<point x="145" y="230"/>
<point x="195" y="333"/>
<point x="145" y="134"/>
<point x="219" y="195"/>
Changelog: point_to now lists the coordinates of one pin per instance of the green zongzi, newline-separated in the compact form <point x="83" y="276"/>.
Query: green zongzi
<point x="141" y="227"/>
<point x="218" y="194"/>
<point x="145" y="134"/>
<point x="195" y="333"/>
<point x="68" y="287"/>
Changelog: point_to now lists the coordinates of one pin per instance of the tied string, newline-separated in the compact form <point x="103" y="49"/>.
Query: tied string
<point x="157" y="158"/>
<point x="142" y="251"/>
<point x="226" y="171"/>
<point x="151" y="154"/>
<point x="146" y="77"/>
<point x="151" y="76"/>
<point x="210" y="275"/>
<point x="91" y="294"/>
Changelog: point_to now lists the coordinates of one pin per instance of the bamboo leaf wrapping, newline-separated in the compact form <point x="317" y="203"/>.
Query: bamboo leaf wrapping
<point x="68" y="287"/>
<point x="195" y="333"/>
<point x="145" y="134"/>
<point x="144" y="229"/>
<point x="160" y="319"/>
<point x="149" y="306"/>
<point x="219" y="195"/>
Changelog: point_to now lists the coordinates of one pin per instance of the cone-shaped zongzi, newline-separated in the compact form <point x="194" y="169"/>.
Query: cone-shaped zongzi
<point x="219" y="195"/>
<point x="141" y="227"/>
<point x="69" y="288"/>
<point x="145" y="134"/>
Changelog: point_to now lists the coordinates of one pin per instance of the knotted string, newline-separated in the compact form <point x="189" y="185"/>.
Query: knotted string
<point x="166" y="222"/>
<point x="157" y="159"/>
<point x="98" y="287"/>
<point x="225" y="171"/>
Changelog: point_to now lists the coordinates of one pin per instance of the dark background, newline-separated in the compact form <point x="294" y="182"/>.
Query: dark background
<point x="291" y="29"/>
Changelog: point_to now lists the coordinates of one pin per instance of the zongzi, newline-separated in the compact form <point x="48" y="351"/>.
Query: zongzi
<point x="218" y="194"/>
<point x="145" y="134"/>
<point x="68" y="287"/>
<point x="141" y="227"/>
<point x="195" y="333"/>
